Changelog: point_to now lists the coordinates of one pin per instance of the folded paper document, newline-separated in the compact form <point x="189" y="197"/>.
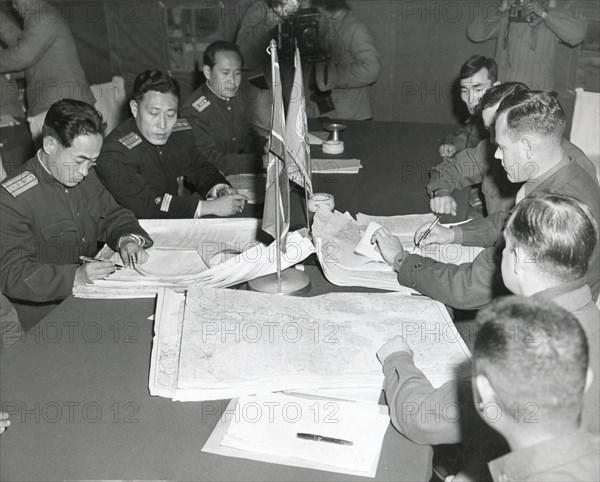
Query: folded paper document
<point x="337" y="237"/>
<point x="332" y="435"/>
<point x="211" y="252"/>
<point x="365" y="247"/>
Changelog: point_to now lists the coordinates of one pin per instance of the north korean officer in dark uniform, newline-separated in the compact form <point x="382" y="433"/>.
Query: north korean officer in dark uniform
<point x="146" y="161"/>
<point x="54" y="210"/>
<point x="221" y="132"/>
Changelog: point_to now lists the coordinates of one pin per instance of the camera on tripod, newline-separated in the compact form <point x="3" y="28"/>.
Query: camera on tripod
<point x="302" y="27"/>
<point x="516" y="13"/>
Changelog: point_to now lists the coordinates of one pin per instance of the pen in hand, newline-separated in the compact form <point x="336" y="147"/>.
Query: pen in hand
<point x="322" y="438"/>
<point x="428" y="232"/>
<point x="87" y="259"/>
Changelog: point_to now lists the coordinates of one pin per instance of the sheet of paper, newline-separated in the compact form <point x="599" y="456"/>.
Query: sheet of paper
<point x="237" y="342"/>
<point x="365" y="247"/>
<point x="398" y="225"/>
<point x="250" y="185"/>
<point x="370" y="395"/>
<point x="188" y="233"/>
<point x="336" y="166"/>
<point x="168" y="264"/>
<point x="269" y="423"/>
<point x="213" y="445"/>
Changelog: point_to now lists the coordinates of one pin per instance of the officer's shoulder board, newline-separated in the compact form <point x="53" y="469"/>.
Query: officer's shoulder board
<point x="201" y="103"/>
<point x="131" y="140"/>
<point x="20" y="183"/>
<point x="182" y="124"/>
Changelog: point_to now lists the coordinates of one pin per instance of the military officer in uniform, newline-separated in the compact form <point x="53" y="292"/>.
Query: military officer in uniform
<point x="146" y="161"/>
<point x="220" y="130"/>
<point x="54" y="210"/>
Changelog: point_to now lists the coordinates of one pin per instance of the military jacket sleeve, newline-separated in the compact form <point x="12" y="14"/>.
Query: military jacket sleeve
<point x="468" y="286"/>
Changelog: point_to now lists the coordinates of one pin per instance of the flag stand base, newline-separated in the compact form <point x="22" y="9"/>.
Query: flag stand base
<point x="293" y="282"/>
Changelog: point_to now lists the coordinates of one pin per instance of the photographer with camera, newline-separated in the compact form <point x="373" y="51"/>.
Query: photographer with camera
<point x="527" y="33"/>
<point x="353" y="64"/>
<point x="340" y="60"/>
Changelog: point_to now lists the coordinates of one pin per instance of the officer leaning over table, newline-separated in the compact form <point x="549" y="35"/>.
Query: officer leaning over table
<point x="54" y="209"/>
<point x="149" y="161"/>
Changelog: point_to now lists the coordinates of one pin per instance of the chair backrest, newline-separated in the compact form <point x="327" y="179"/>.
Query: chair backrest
<point x="35" y="127"/>
<point x="110" y="101"/>
<point x="586" y="125"/>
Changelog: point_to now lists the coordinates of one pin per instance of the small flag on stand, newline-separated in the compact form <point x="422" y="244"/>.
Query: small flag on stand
<point x="297" y="158"/>
<point x="276" y="215"/>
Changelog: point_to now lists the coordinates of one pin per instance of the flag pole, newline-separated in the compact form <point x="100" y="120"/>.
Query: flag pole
<point x="273" y="47"/>
<point x="289" y="281"/>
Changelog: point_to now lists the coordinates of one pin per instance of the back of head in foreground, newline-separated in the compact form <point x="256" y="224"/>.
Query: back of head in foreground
<point x="550" y="238"/>
<point x="530" y="363"/>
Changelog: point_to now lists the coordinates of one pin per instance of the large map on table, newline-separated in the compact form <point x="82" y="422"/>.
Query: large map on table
<point x="230" y="343"/>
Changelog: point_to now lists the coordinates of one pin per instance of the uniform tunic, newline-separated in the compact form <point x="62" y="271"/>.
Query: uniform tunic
<point x="221" y="133"/>
<point x="45" y="227"/>
<point x="144" y="177"/>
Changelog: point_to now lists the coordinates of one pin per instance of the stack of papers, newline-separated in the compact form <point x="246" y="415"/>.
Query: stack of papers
<point x="211" y="252"/>
<point x="336" y="236"/>
<point x="213" y="344"/>
<point x="336" y="166"/>
<point x="266" y="427"/>
<point x="347" y="258"/>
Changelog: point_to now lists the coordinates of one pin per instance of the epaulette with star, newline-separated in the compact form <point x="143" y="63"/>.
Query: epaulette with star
<point x="182" y="124"/>
<point x="201" y="104"/>
<point x="131" y="140"/>
<point x="20" y="183"/>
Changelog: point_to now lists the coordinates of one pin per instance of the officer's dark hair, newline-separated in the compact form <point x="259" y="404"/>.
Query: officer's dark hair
<point x="68" y="118"/>
<point x="558" y="232"/>
<point x="532" y="352"/>
<point x="495" y="94"/>
<point x="534" y="112"/>
<point x="154" y="80"/>
<point x="209" y="57"/>
<point x="475" y="64"/>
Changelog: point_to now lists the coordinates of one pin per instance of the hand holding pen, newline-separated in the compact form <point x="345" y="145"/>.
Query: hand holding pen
<point x="92" y="269"/>
<point x="433" y="233"/>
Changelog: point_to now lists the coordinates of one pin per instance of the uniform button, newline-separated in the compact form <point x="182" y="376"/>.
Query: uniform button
<point x="228" y="107"/>
<point x="77" y="214"/>
<point x="83" y="239"/>
<point x="234" y="139"/>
